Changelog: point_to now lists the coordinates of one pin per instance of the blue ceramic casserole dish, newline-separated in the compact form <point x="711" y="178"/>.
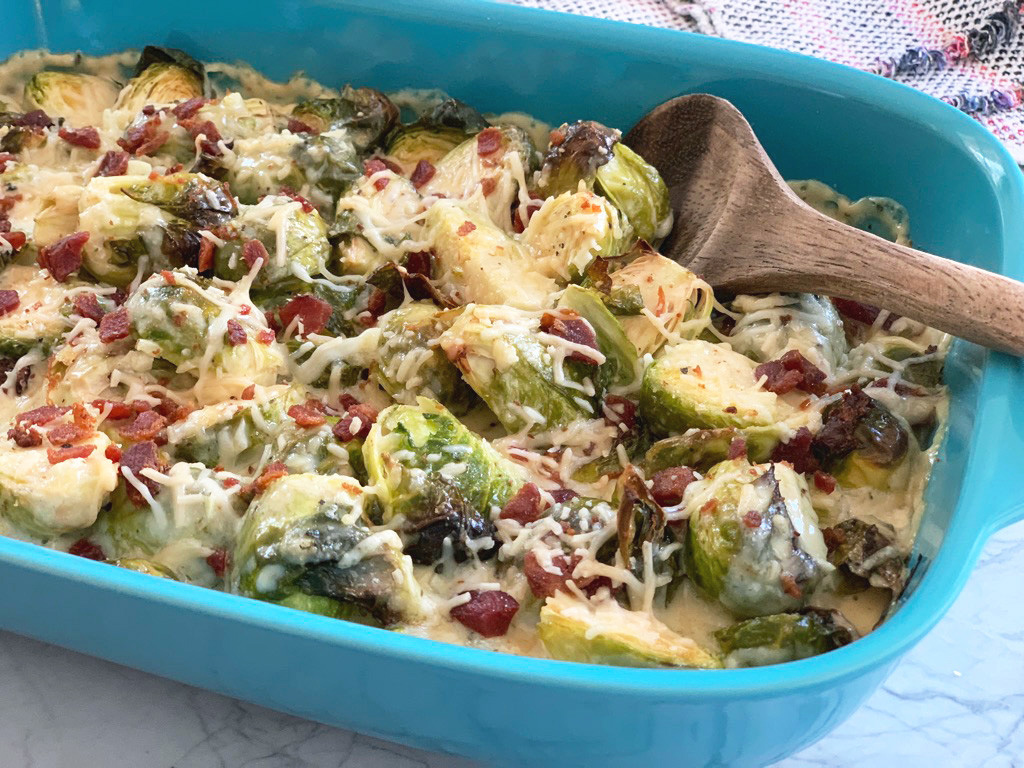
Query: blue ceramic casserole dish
<point x="858" y="132"/>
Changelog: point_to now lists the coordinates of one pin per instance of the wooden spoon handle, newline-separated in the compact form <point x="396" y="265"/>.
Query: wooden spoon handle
<point x="838" y="260"/>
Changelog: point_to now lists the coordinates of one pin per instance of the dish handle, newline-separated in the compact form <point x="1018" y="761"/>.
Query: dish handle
<point x="1006" y="480"/>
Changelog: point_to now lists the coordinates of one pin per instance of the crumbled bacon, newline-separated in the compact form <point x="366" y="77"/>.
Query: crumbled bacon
<point x="88" y="305"/>
<point x="209" y="133"/>
<point x="236" y="333"/>
<point x="790" y="587"/>
<point x="791" y="371"/>
<point x="34" y="119"/>
<point x="146" y="426"/>
<point x="9" y="301"/>
<point x="669" y="485"/>
<point x="423" y="173"/>
<point x="113" y="163"/>
<point x="69" y="434"/>
<point x="273" y="471"/>
<point x="737" y="448"/>
<point x="307" y="415"/>
<point x="297" y="126"/>
<point x="218" y="561"/>
<point x="374" y="165"/>
<point x="88" y="137"/>
<point x="24" y="437"/>
<point x="355" y="424"/>
<point x="64" y="257"/>
<point x="136" y="458"/>
<point x="346" y="401"/>
<point x="488" y="612"/>
<point x="836" y="438"/>
<point x="797" y="451"/>
<point x="465" y="228"/>
<point x="249" y="392"/>
<point x="620" y="410"/>
<point x="266" y="336"/>
<point x="419" y="263"/>
<point x="5" y="158"/>
<point x="488" y="185"/>
<point x="115" y="325"/>
<point x="66" y="452"/>
<point x="568" y="325"/>
<point x="307" y="207"/>
<point x="562" y="495"/>
<point x="204" y="262"/>
<point x="113" y="453"/>
<point x="543" y="583"/>
<point x="117" y="412"/>
<point x="518" y="225"/>
<point x="88" y="550"/>
<point x="15" y="240"/>
<point x="144" y="138"/>
<point x="44" y="414"/>
<point x="253" y="251"/>
<point x="188" y="108"/>
<point x="488" y="141"/>
<point x="311" y="312"/>
<point x="525" y="507"/>
<point x="172" y="411"/>
<point x="824" y="482"/>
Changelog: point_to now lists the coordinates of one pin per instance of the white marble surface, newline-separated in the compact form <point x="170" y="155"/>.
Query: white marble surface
<point x="956" y="701"/>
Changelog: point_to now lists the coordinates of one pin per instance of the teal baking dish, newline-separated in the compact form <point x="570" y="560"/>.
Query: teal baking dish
<point x="857" y="132"/>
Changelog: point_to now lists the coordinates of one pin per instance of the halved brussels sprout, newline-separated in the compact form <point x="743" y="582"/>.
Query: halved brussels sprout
<point x="328" y="164"/>
<point x="784" y="637"/>
<point x="606" y="633"/>
<point x="523" y="374"/>
<point x="697" y="384"/>
<point x="754" y="542"/>
<point x="162" y="76"/>
<point x="305" y="543"/>
<point x="621" y="366"/>
<point x="37" y="321"/>
<point x="918" y="363"/>
<point x="434" y="134"/>
<point x="421" y="457"/>
<point x="701" y="449"/>
<point x="477" y="262"/>
<point x="190" y="196"/>
<point x="861" y="549"/>
<point x="366" y="114"/>
<point x="45" y="499"/>
<point x="589" y="152"/>
<point x="78" y="98"/>
<point x="863" y="444"/>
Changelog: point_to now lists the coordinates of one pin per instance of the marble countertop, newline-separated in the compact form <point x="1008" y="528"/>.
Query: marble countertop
<point x="956" y="701"/>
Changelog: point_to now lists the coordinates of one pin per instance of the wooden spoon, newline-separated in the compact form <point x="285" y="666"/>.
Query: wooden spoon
<point x="740" y="227"/>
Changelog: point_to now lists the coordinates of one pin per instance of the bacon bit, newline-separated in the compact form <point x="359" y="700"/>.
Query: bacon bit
<point x="167" y="275"/>
<point x="836" y="438"/>
<point x="573" y="328"/>
<point x="518" y="225"/>
<point x="361" y="416"/>
<point x="118" y="411"/>
<point x="57" y="455"/>
<point x="176" y="168"/>
<point x="68" y="434"/>
<point x="307" y="207"/>
<point x="245" y="309"/>
<point x="136" y="458"/>
<point x="34" y="119"/>
<point x="373" y="165"/>
<point x="423" y="173"/>
<point x="204" y="262"/>
<point x="709" y="507"/>
<point x="88" y="550"/>
<point x="253" y="251"/>
<point x="380" y="184"/>
<point x="24" y="437"/>
<point x="738" y="448"/>
<point x="113" y="163"/>
<point x="465" y="229"/>
<point x="231" y="482"/>
<point x="669" y="485"/>
<point x="172" y="411"/>
<point x="297" y="126"/>
<point x="524" y="507"/>
<point x="146" y="426"/>
<point x="562" y="495"/>
<point x="790" y="587"/>
<point x="112" y="452"/>
<point x="834" y="538"/>
<point x="311" y="312"/>
<point x="5" y="158"/>
<point x="144" y="138"/>
<point x="488" y="141"/>
<point x="188" y="108"/>
<point x="419" y="263"/>
<point x="115" y="325"/>
<point x="218" y="561"/>
<point x="620" y="410"/>
<point x="64" y="257"/>
<point x="752" y="519"/>
<point x="44" y="414"/>
<point x="307" y="415"/>
<point x="488" y="612"/>
<point x="249" y="392"/>
<point x="824" y="482"/>
<point x="266" y="336"/>
<point x="273" y="471"/>
<point x="9" y="301"/>
<point x="797" y="452"/>
<point x="15" y="240"/>
<point x="148" y="110"/>
<point x="346" y="401"/>
<point x="88" y="137"/>
<point x="556" y="137"/>
<point x="88" y="305"/>
<point x="488" y="185"/>
<point x="154" y="175"/>
<point x="543" y="583"/>
<point x="236" y="333"/>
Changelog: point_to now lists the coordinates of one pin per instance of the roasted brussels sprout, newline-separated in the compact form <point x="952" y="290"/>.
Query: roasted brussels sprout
<point x="162" y="76"/>
<point x="621" y="367"/>
<point x="523" y="372"/>
<point x="305" y="543"/>
<point x="862" y="550"/>
<point x="366" y="115"/>
<point x="754" y="542"/>
<point x="434" y="134"/>
<point x="589" y="152"/>
<point x="606" y="633"/>
<point x="37" y="321"/>
<point x="701" y="449"/>
<point x="193" y="197"/>
<point x="918" y="364"/>
<point x="697" y="384"/>
<point x="784" y="637"/>
<point x="328" y="163"/>
<point x="78" y="98"/>
<point x="571" y="230"/>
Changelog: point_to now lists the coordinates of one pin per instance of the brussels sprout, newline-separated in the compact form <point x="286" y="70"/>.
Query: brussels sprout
<point x="655" y="298"/>
<point x="477" y="262"/>
<point x="78" y="98"/>
<point x="162" y="76"/>
<point x="37" y="321"/>
<point x="366" y="115"/>
<point x="606" y="633"/>
<point x="329" y="165"/>
<point x="421" y="457"/>
<point x="149" y="567"/>
<point x="523" y="374"/>
<point x="409" y="365"/>
<point x="45" y="499"/>
<point x="918" y="363"/>
<point x="862" y="443"/>
<point x="784" y="637"/>
<point x="571" y="230"/>
<point x="701" y="449"/>
<point x="880" y="216"/>
<point x="591" y="153"/>
<point x="190" y="196"/>
<point x="860" y="549"/>
<point x="305" y="251"/>
<point x="460" y="174"/>
<point x="621" y="367"/>
<point x="435" y="134"/>
<point x="754" y="542"/>
<point x="697" y="384"/>
<point x="305" y="543"/>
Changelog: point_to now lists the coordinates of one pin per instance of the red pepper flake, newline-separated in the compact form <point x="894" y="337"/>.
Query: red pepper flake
<point x="824" y="482"/>
<point x="15" y="240"/>
<point x="525" y="506"/>
<point x="253" y="251"/>
<point x="488" y="185"/>
<point x="144" y="138"/>
<point x="146" y="426"/>
<point x="87" y="138"/>
<point x="737" y="448"/>
<point x="465" y="229"/>
<point x="154" y="175"/>
<point x="113" y="163"/>
<point x="556" y="137"/>
<point x="64" y="257"/>
<point x="236" y="333"/>
<point x="297" y="126"/>
<point x="266" y="336"/>
<point x="312" y="314"/>
<point x="790" y="587"/>
<point x="669" y="485"/>
<point x="88" y="550"/>
<point x="167" y="275"/>
<point x="355" y="423"/>
<point x="423" y="173"/>
<point x="270" y="473"/>
<point x="57" y="455"/>
<point x="709" y="507"/>
<point x="205" y="259"/>
<point x="249" y="392"/>
<point x="752" y="519"/>
<point x="231" y="482"/>
<point x="112" y="452"/>
<point x="88" y="305"/>
<point x="9" y="301"/>
<point x="218" y="561"/>
<point x="488" y="612"/>
<point x="488" y="141"/>
<point x="566" y="324"/>
<point x="136" y="458"/>
<point x="307" y="415"/>
<point x="188" y="108"/>
<point x="115" y="326"/>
